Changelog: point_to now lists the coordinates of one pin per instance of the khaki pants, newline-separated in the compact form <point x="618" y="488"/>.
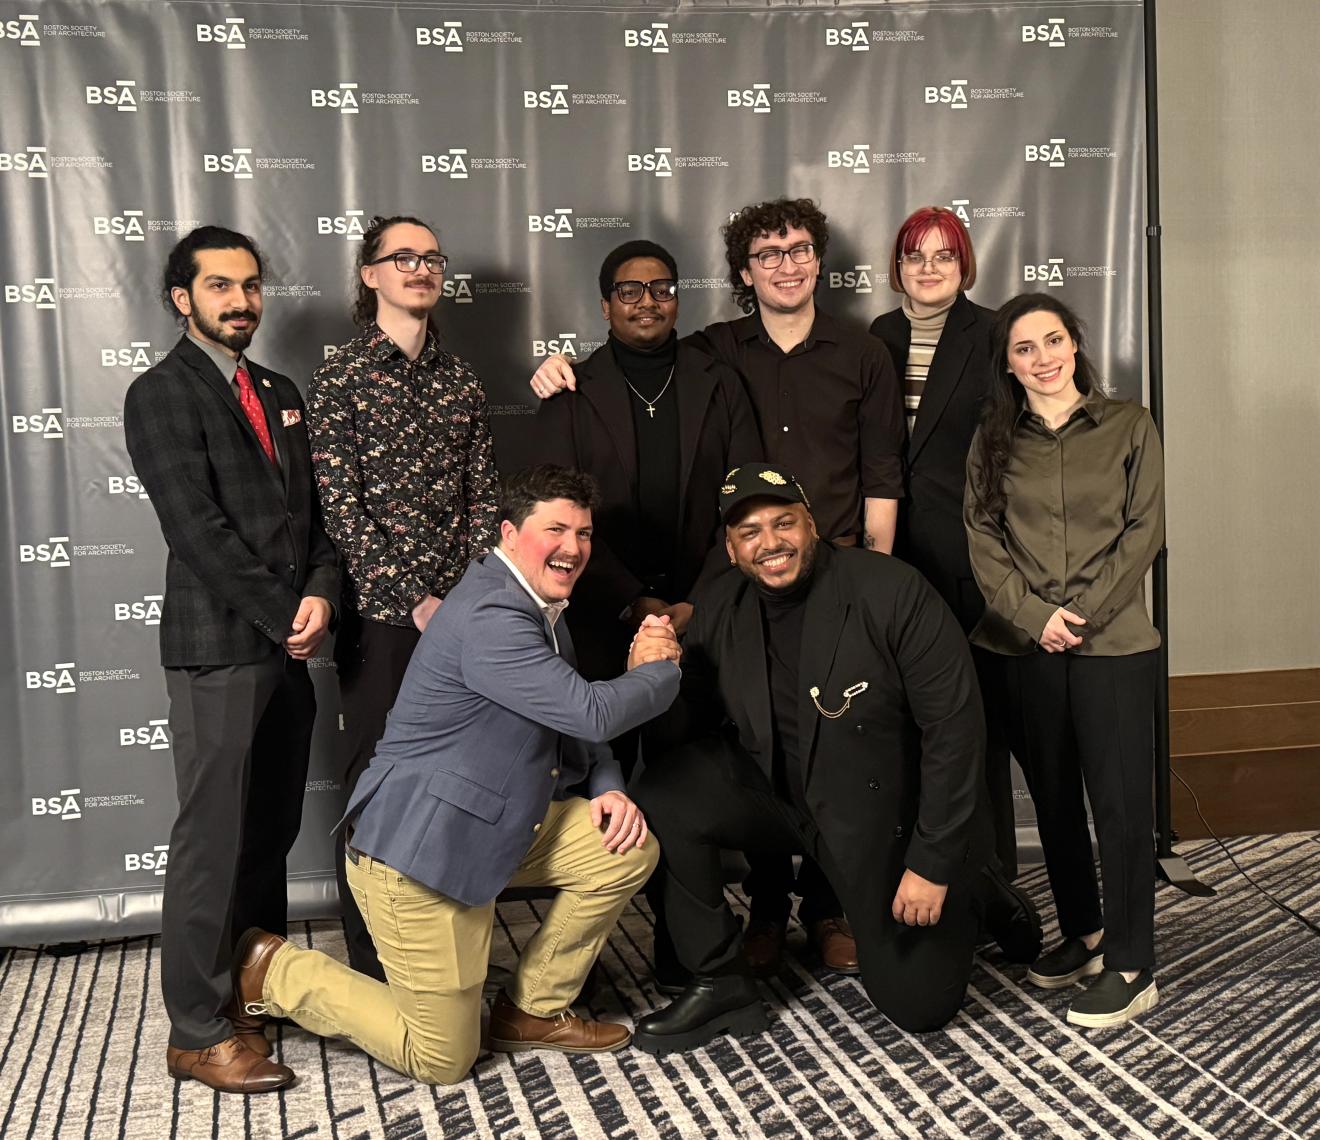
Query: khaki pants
<point x="426" y="1021"/>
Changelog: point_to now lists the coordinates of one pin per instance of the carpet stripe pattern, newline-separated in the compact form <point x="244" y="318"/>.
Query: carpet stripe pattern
<point x="1232" y="1050"/>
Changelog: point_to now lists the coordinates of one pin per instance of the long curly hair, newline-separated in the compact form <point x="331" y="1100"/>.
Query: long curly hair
<point x="752" y="222"/>
<point x="1005" y="396"/>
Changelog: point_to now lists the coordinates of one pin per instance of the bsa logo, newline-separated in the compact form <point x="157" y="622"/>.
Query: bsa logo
<point x="31" y="161"/>
<point x="657" y="162"/>
<point x="858" y="279"/>
<point x="560" y="223"/>
<point x="855" y="36"/>
<point x="53" y="553"/>
<point x="1051" y="153"/>
<point x="156" y="860"/>
<point x="565" y="342"/>
<point x="1052" y="33"/>
<point x="237" y="162"/>
<point x="122" y="96"/>
<point x="230" y="33"/>
<point x="457" y="287"/>
<point x="453" y="163"/>
<point x="755" y="98"/>
<point x="40" y="293"/>
<point x="25" y="30"/>
<point x="136" y="357"/>
<point x="47" y="424"/>
<point x="63" y="807"/>
<point x="151" y="735"/>
<point x="554" y="99"/>
<point x="125" y="485"/>
<point x="1050" y="273"/>
<point x="855" y="160"/>
<point x="343" y="98"/>
<point x="147" y="611"/>
<point x="127" y="225"/>
<point x="655" y="38"/>
<point x="348" y="225"/>
<point x="448" y="35"/>
<point x="952" y="94"/>
<point x="60" y="677"/>
<point x="963" y="208"/>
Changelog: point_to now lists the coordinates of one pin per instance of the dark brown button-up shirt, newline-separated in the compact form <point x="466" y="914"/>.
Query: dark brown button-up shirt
<point x="1082" y="523"/>
<point x="405" y="466"/>
<point x="830" y="411"/>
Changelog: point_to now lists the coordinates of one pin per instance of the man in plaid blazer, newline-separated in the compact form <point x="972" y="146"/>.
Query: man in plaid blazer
<point x="251" y="582"/>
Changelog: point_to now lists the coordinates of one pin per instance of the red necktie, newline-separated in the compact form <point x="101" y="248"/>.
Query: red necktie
<point x="247" y="396"/>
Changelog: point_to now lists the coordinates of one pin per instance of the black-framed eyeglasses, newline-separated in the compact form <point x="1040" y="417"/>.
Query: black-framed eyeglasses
<point x="408" y="262"/>
<point x="914" y="261"/>
<point x="662" y="289"/>
<point x="774" y="258"/>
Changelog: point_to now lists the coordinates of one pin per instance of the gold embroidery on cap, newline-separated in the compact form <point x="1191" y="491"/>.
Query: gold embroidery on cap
<point x="774" y="477"/>
<point x="728" y="488"/>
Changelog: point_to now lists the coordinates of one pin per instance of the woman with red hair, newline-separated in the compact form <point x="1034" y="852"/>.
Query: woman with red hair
<point x="940" y="344"/>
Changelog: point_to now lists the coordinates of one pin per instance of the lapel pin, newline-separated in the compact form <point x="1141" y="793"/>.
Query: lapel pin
<point x="848" y="694"/>
<point x="265" y="383"/>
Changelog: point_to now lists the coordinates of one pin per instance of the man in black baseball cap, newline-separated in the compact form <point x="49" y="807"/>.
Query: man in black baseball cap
<point x="831" y="709"/>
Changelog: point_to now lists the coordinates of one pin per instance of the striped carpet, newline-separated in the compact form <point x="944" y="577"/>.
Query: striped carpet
<point x="1231" y="1051"/>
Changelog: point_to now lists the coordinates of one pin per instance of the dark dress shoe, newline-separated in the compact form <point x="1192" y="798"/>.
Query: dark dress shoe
<point x="252" y="958"/>
<point x="1009" y="918"/>
<point x="834" y="942"/>
<point x="708" y="1007"/>
<point x="512" y="1030"/>
<point x="763" y="946"/>
<point x="229" y="1066"/>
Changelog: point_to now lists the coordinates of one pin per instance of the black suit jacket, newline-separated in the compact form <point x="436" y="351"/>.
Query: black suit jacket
<point x="895" y="780"/>
<point x="245" y="538"/>
<point x="930" y="527"/>
<point x="592" y="429"/>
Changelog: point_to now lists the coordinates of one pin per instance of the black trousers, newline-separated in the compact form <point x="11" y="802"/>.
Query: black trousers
<point x="998" y="767"/>
<point x="242" y="736"/>
<point x="372" y="658"/>
<point x="709" y="796"/>
<point x="1087" y="723"/>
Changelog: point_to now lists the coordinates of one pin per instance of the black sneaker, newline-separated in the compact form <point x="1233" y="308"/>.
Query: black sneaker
<point x="1109" y="1000"/>
<point x="1068" y="962"/>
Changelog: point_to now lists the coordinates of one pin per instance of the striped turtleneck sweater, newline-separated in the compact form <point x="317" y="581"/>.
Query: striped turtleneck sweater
<point x="921" y="351"/>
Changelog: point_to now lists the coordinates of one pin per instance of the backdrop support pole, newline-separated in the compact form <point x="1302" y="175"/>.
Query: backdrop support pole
<point x="1170" y="866"/>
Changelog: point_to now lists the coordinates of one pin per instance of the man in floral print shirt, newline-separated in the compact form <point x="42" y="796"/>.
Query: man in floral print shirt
<point x="405" y="467"/>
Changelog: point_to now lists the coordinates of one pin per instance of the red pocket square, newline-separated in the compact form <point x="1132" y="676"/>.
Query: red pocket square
<point x="290" y="416"/>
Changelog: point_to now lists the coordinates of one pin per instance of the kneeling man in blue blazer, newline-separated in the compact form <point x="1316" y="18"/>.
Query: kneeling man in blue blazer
<point x="492" y="772"/>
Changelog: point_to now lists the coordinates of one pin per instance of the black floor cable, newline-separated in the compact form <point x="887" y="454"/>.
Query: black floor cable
<point x="1312" y="926"/>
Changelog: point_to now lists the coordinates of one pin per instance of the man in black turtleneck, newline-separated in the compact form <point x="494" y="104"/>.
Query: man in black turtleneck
<point x="658" y="424"/>
<point x="829" y="708"/>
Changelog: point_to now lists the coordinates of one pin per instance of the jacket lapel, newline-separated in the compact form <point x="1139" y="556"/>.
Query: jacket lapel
<point x="753" y="683"/>
<point x="946" y="371"/>
<point x="609" y="398"/>
<point x="823" y="626"/>
<point x="693" y="387"/>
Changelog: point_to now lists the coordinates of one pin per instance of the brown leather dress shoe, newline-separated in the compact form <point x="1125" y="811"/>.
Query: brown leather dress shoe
<point x="513" y="1031"/>
<point x="834" y="942"/>
<point x="252" y="958"/>
<point x="763" y="946"/>
<point x="249" y="1030"/>
<point x="229" y="1066"/>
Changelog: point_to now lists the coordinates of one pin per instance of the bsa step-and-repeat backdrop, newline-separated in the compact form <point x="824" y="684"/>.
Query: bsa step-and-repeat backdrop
<point x="535" y="137"/>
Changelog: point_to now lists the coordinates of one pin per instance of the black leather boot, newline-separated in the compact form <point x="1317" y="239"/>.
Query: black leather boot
<point x="708" y="1007"/>
<point x="1008" y="917"/>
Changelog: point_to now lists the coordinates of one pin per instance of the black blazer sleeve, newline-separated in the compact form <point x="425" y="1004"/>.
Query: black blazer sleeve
<point x="165" y="437"/>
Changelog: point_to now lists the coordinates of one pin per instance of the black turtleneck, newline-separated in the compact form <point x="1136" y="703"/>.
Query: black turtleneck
<point x="657" y="457"/>
<point x="782" y="617"/>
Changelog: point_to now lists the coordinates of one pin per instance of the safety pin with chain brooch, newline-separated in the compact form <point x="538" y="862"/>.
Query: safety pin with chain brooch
<point x="848" y="694"/>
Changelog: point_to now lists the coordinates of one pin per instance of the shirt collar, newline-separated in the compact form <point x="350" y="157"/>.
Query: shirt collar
<point x="1093" y="405"/>
<point x="552" y="610"/>
<point x="823" y="328"/>
<point x="382" y="348"/>
<point x="222" y="360"/>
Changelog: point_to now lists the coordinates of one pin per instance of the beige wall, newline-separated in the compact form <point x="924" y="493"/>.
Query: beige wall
<point x="1240" y="185"/>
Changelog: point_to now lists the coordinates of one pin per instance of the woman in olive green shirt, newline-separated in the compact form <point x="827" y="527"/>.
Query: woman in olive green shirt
<point x="1065" y="514"/>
